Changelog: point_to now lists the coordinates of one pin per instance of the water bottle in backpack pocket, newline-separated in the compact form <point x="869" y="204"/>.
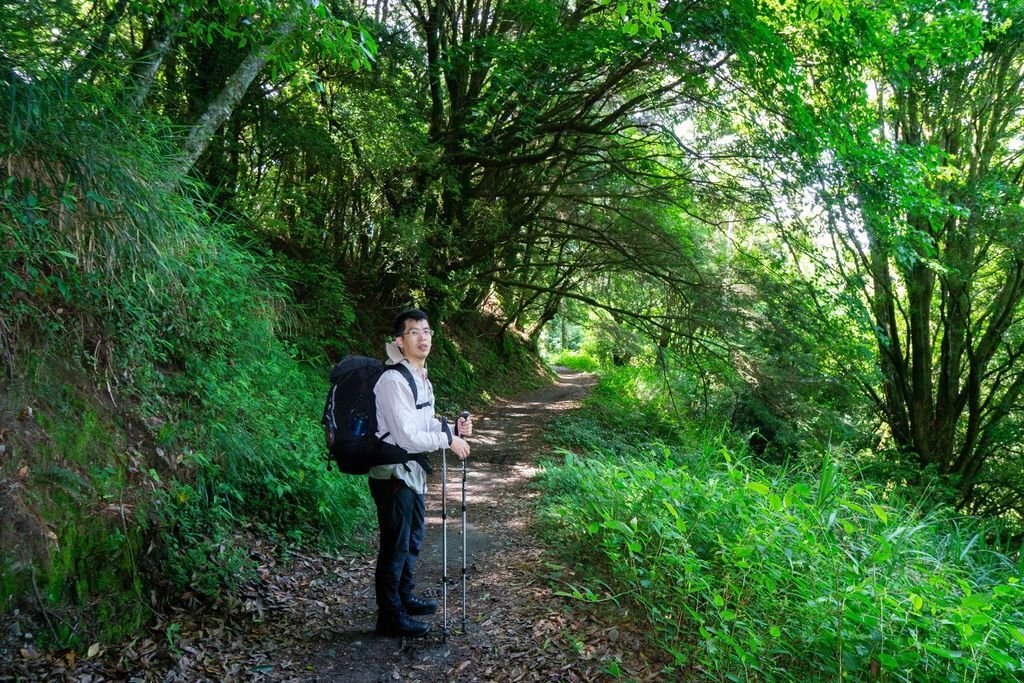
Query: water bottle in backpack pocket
<point x="357" y="424"/>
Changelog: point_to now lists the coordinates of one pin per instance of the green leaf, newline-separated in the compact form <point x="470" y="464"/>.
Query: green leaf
<point x="758" y="487"/>
<point x="880" y="513"/>
<point x="976" y="601"/>
<point x="888" y="661"/>
<point x="943" y="652"/>
<point x="1002" y="659"/>
<point x="616" y="525"/>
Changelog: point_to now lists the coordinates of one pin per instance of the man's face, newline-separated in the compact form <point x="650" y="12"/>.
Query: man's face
<point x="415" y="341"/>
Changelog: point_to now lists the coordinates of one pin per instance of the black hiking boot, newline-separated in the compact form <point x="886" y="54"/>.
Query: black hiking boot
<point x="419" y="607"/>
<point x="401" y="626"/>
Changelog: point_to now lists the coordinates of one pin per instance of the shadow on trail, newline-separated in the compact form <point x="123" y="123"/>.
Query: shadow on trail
<point x="506" y="445"/>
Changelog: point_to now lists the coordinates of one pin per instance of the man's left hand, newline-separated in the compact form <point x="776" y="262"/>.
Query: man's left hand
<point x="460" y="448"/>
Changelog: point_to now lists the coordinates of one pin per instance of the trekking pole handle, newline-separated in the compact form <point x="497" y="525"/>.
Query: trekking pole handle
<point x="464" y="415"/>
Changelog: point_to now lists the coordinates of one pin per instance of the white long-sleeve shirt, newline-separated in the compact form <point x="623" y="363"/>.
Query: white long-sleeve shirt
<point x="414" y="429"/>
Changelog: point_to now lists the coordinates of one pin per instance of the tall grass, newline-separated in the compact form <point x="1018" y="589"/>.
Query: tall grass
<point x="154" y="316"/>
<point x="746" y="573"/>
<point x="113" y="273"/>
<point x="575" y="360"/>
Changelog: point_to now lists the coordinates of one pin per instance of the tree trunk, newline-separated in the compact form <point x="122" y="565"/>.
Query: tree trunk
<point x="223" y="105"/>
<point x="157" y="46"/>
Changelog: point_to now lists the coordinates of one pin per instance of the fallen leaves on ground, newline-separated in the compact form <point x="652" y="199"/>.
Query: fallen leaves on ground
<point x="310" y="617"/>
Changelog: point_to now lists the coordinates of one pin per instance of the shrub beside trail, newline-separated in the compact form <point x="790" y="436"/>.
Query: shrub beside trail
<point x="750" y="573"/>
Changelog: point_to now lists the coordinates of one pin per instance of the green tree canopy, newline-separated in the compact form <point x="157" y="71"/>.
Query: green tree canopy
<point x="906" y="135"/>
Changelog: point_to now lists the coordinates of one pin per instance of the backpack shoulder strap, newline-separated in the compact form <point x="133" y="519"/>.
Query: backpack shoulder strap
<point x="412" y="383"/>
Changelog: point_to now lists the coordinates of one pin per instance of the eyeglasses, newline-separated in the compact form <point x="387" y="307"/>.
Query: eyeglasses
<point x="417" y="333"/>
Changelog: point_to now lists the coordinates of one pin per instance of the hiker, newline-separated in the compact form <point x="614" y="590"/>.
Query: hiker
<point x="399" y="490"/>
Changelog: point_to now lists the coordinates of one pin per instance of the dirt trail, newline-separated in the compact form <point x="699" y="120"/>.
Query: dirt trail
<point x="313" y="620"/>
<point x="502" y="558"/>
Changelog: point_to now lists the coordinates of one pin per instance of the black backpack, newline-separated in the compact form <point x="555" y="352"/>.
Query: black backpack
<point x="350" y="417"/>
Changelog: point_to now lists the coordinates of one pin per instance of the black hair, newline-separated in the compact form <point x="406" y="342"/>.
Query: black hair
<point x="412" y="314"/>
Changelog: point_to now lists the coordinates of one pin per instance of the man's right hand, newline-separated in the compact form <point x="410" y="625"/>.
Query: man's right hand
<point x="460" y="447"/>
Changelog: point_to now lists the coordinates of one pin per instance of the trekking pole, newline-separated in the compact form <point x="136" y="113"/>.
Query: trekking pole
<point x="464" y="415"/>
<point x="444" y="535"/>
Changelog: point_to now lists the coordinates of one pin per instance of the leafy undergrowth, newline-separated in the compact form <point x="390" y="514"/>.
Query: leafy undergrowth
<point x="745" y="573"/>
<point x="309" y="616"/>
<point x="163" y="379"/>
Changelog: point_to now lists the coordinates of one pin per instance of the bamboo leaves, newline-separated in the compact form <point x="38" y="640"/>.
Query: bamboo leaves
<point x="798" y="575"/>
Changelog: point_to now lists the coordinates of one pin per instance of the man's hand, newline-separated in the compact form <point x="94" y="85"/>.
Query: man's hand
<point x="460" y="447"/>
<point x="464" y="426"/>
